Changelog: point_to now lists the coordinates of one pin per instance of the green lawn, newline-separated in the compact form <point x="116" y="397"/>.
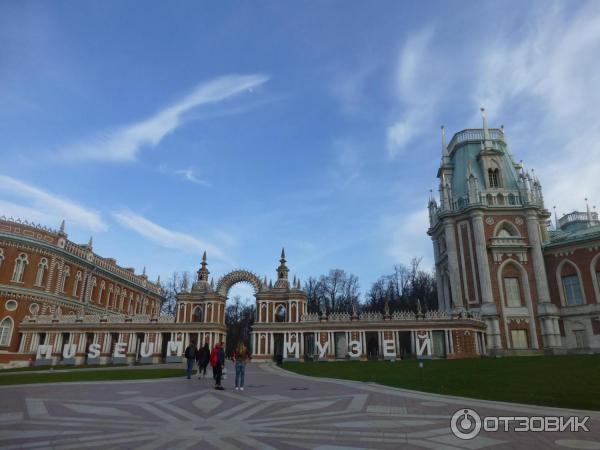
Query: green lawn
<point x="561" y="381"/>
<point x="91" y="375"/>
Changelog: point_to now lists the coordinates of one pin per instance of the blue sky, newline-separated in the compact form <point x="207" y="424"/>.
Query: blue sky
<point x="242" y="127"/>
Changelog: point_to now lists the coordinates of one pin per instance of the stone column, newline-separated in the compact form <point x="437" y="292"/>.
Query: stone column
<point x="482" y="257"/>
<point x="451" y="251"/>
<point x="489" y="311"/>
<point x="438" y="276"/>
<point x="546" y="309"/>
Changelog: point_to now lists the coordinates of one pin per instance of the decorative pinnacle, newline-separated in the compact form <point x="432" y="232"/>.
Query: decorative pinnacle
<point x="283" y="254"/>
<point x="203" y="272"/>
<point x="62" y="226"/>
<point x="144" y="271"/>
<point x="486" y="133"/>
<point x="444" y="146"/>
<point x="91" y="242"/>
<point x="158" y="280"/>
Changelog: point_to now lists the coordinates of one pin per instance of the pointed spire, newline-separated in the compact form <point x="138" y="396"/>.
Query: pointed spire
<point x="203" y="272"/>
<point x="282" y="270"/>
<point x="555" y="219"/>
<point x="144" y="271"/>
<point x="486" y="132"/>
<point x="62" y="226"/>
<point x="158" y="280"/>
<point x="445" y="154"/>
<point x="212" y="282"/>
<point x="589" y="213"/>
<point x="91" y="242"/>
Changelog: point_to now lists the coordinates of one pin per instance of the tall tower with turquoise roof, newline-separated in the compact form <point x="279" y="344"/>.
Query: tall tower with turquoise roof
<point x="488" y="228"/>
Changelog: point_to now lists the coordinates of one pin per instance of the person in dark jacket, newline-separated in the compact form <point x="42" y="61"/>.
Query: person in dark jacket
<point x="217" y="361"/>
<point x="202" y="360"/>
<point x="190" y="355"/>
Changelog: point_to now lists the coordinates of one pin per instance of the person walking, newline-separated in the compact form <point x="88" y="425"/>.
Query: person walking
<point x="190" y="355"/>
<point x="241" y="356"/>
<point x="202" y="360"/>
<point x="217" y="361"/>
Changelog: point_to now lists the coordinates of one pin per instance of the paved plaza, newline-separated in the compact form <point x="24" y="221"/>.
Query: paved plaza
<point x="278" y="410"/>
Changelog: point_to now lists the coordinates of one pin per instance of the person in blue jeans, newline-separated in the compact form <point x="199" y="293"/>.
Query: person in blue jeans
<point x="241" y="356"/>
<point x="190" y="355"/>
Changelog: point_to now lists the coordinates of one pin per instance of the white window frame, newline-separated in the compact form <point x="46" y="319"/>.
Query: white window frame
<point x="6" y="331"/>
<point x="508" y="290"/>
<point x="21" y="263"/>
<point x="39" y="276"/>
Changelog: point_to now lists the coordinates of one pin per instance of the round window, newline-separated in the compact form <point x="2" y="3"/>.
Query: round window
<point x="11" y="305"/>
<point x="34" y="308"/>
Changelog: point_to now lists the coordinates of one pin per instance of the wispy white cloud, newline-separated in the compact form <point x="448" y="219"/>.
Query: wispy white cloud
<point x="163" y="236"/>
<point x="347" y="165"/>
<point x="46" y="207"/>
<point x="408" y="238"/>
<point x="546" y="82"/>
<point x="349" y="87"/>
<point x="124" y="144"/>
<point x="415" y="90"/>
<point x="188" y="174"/>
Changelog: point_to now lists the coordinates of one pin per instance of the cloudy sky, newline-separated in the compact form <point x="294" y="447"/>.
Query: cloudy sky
<point x="241" y="127"/>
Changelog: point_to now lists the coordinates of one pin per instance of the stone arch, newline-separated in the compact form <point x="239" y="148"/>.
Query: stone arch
<point x="508" y="226"/>
<point x="524" y="278"/>
<point x="238" y="276"/>
<point x="559" y="281"/>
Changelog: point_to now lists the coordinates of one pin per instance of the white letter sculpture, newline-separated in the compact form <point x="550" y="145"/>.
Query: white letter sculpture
<point x="119" y="350"/>
<point x="69" y="351"/>
<point x="94" y="351"/>
<point x="423" y="344"/>
<point x="146" y="349"/>
<point x="322" y="349"/>
<point x="389" y="349"/>
<point x="175" y="346"/>
<point x="355" y="349"/>
<point x="291" y="348"/>
<point x="45" y="350"/>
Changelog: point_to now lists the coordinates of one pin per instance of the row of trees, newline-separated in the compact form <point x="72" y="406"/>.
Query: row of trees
<point x="336" y="291"/>
<point x="403" y="289"/>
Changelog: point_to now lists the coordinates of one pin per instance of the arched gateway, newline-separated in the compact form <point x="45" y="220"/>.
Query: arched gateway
<point x="278" y="304"/>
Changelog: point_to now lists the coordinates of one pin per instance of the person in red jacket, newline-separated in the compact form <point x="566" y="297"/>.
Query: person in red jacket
<point x="217" y="361"/>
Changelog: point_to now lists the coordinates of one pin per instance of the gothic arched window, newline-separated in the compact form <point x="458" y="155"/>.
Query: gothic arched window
<point x="63" y="278"/>
<point x="197" y="315"/>
<point x="571" y="284"/>
<point x="494" y="178"/>
<point x="6" y="327"/>
<point x="20" y="264"/>
<point x="280" y="314"/>
<point x="42" y="267"/>
<point x="77" y="281"/>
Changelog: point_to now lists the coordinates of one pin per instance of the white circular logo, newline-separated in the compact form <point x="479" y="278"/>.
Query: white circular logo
<point x="465" y="424"/>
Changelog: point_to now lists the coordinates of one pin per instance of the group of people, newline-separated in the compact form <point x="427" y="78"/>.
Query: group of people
<point x="203" y="356"/>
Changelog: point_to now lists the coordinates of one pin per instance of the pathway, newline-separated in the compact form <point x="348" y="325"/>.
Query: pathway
<point x="278" y="410"/>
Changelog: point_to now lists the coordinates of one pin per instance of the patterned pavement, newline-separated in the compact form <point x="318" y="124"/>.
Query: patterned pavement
<point x="278" y="410"/>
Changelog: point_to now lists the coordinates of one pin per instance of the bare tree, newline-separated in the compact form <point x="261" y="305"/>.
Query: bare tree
<point x="338" y="291"/>
<point x="177" y="282"/>
<point x="403" y="289"/>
